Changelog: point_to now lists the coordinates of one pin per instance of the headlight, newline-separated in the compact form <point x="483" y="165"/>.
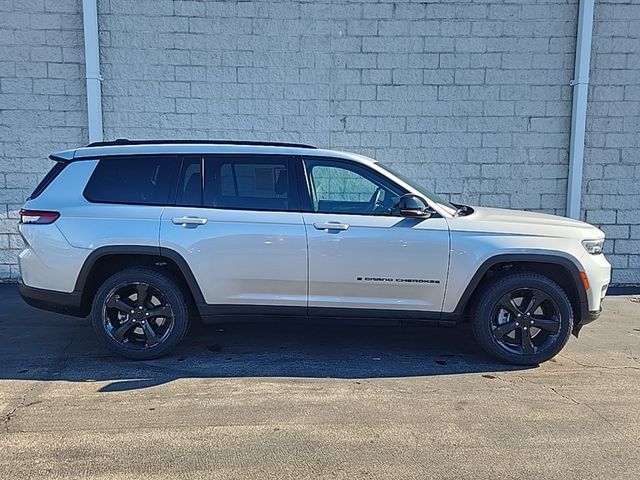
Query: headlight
<point x="594" y="247"/>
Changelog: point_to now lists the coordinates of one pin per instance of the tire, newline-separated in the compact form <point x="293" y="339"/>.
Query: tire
<point x="140" y="330"/>
<point x="523" y="319"/>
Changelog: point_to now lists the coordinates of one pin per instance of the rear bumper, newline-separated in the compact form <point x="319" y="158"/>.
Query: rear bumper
<point x="52" y="301"/>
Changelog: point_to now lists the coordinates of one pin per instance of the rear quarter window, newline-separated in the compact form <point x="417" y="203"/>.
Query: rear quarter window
<point x="141" y="180"/>
<point x="48" y="178"/>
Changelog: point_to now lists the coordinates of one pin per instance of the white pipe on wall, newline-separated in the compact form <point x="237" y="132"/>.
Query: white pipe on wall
<point x="580" y="84"/>
<point x="92" y="69"/>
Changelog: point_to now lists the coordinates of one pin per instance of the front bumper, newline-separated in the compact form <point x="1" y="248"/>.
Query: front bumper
<point x="598" y="272"/>
<point x="590" y="316"/>
<point x="52" y="301"/>
<point x="586" y="318"/>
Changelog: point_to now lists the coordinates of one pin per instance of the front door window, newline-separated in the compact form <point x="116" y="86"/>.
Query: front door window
<point x="338" y="187"/>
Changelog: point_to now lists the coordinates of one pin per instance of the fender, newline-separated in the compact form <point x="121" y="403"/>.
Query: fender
<point x="571" y="266"/>
<point x="147" y="250"/>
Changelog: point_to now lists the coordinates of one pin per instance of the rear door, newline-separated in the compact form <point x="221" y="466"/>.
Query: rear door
<point x="361" y="255"/>
<point x="238" y="225"/>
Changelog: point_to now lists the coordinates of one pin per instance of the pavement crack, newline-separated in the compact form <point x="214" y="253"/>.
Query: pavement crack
<point x="566" y="397"/>
<point x="573" y="401"/>
<point x="604" y="367"/>
<point x="601" y="417"/>
<point x="576" y="402"/>
<point x="14" y="410"/>
<point x="32" y="391"/>
<point x="507" y="380"/>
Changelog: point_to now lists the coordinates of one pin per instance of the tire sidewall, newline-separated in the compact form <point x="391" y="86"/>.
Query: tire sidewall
<point x="157" y="280"/>
<point x="482" y="320"/>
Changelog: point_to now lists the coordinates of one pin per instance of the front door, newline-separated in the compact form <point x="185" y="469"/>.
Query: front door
<point x="361" y="255"/>
<point x="238" y="225"/>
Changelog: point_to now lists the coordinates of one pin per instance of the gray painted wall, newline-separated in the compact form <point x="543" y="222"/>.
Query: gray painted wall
<point x="471" y="98"/>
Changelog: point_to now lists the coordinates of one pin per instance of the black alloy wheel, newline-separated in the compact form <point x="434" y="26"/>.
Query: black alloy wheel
<point x="140" y="313"/>
<point x="522" y="318"/>
<point x="137" y="315"/>
<point x="526" y="321"/>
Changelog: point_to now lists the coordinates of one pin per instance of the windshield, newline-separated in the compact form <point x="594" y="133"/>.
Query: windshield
<point x="420" y="188"/>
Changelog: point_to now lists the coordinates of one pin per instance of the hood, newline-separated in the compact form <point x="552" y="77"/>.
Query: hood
<point x="518" y="222"/>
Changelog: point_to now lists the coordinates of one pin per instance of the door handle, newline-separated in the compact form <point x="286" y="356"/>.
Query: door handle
<point x="184" y="221"/>
<point x="331" y="226"/>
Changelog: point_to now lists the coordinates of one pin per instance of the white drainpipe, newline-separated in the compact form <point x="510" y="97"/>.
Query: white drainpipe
<point x="580" y="84"/>
<point x="92" y="69"/>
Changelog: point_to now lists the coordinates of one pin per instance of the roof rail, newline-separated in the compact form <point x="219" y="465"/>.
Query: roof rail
<point x="125" y="141"/>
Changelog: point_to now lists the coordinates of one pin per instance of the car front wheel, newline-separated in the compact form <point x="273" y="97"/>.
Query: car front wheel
<point x="523" y="318"/>
<point x="140" y="313"/>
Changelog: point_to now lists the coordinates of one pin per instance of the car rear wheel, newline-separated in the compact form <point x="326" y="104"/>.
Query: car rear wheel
<point x="140" y="313"/>
<point x="523" y="319"/>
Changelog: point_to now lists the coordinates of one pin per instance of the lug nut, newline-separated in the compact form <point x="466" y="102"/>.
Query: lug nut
<point x="517" y="324"/>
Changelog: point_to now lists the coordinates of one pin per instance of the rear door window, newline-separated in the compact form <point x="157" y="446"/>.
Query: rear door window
<point x="139" y="180"/>
<point x="189" y="192"/>
<point x="250" y="182"/>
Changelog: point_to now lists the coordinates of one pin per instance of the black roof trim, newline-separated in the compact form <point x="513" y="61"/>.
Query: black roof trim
<point x="125" y="141"/>
<point x="56" y="158"/>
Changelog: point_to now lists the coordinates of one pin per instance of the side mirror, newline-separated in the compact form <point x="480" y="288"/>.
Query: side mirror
<point x="411" y="205"/>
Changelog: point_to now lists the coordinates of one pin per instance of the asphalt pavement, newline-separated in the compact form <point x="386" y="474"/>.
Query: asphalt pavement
<point x="287" y="401"/>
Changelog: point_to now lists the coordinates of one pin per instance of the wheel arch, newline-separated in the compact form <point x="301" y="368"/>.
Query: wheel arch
<point x="105" y="261"/>
<point x="560" y="269"/>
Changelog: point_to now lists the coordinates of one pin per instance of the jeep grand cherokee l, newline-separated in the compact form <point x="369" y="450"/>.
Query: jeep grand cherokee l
<point x="144" y="235"/>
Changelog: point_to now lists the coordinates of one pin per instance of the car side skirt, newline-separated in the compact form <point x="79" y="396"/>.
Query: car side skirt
<point x="233" y="313"/>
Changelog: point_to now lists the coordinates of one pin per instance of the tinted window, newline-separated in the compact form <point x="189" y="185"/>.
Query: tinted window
<point x="48" y="178"/>
<point x="248" y="182"/>
<point x="145" y="180"/>
<point x="339" y="187"/>
<point x="190" y="183"/>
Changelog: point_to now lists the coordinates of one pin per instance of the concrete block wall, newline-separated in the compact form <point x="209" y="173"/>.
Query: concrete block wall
<point x="470" y="98"/>
<point x="611" y="189"/>
<point x="42" y="103"/>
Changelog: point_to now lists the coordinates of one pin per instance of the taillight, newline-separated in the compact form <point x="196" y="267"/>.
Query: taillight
<point x="39" y="217"/>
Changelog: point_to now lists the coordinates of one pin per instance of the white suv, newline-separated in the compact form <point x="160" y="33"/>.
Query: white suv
<point x="144" y="235"/>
